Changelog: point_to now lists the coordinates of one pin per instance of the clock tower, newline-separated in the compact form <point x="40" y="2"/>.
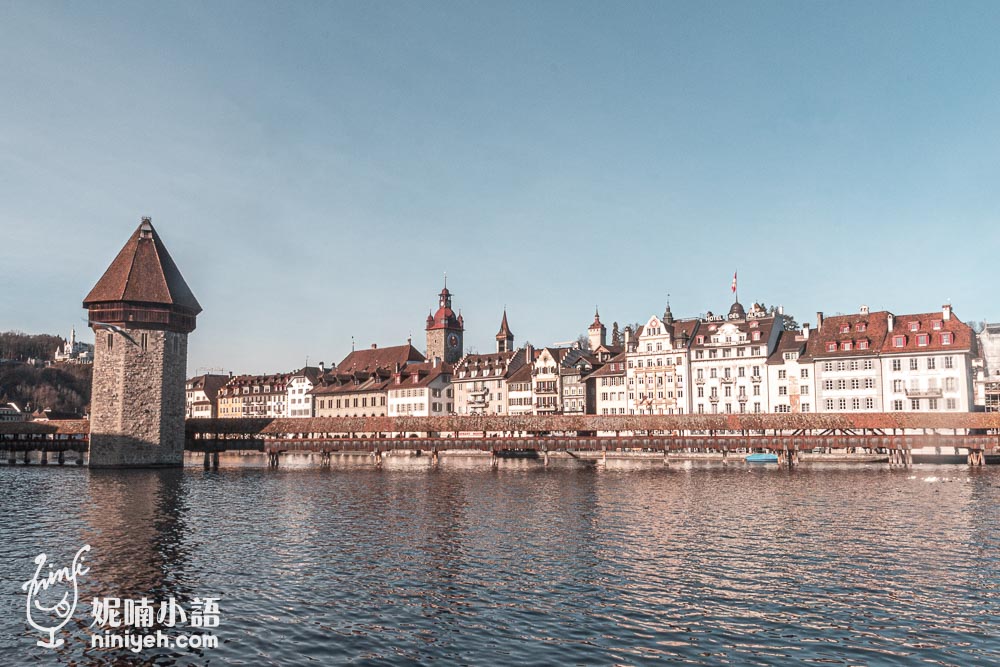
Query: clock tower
<point x="445" y="330"/>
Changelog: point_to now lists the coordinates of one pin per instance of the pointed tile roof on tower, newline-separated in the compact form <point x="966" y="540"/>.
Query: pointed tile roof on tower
<point x="144" y="272"/>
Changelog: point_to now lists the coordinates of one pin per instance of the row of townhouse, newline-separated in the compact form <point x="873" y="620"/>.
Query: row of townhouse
<point x="739" y="362"/>
<point x="744" y="361"/>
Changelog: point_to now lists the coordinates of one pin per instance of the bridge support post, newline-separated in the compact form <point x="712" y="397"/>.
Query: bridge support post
<point x="27" y="458"/>
<point x="11" y="458"/>
<point x="79" y="458"/>
<point x="378" y="458"/>
<point x="207" y="460"/>
<point x="493" y="458"/>
<point x="215" y="460"/>
<point x="43" y="458"/>
<point x="909" y="457"/>
<point x="434" y="457"/>
<point x="62" y="458"/>
<point x="545" y="457"/>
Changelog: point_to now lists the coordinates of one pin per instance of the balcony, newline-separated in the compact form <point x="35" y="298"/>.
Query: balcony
<point x="923" y="393"/>
<point x="726" y="380"/>
<point x="756" y="379"/>
<point x="700" y="381"/>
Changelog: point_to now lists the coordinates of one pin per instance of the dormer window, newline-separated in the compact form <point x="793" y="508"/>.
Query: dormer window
<point x="914" y="326"/>
<point x="845" y="328"/>
<point x="937" y="325"/>
<point x="923" y="340"/>
<point x="846" y="346"/>
<point x="754" y="324"/>
<point x="899" y="341"/>
<point x="946" y="338"/>
<point x="862" y="345"/>
<point x="756" y="335"/>
<point x="701" y="340"/>
<point x="831" y="347"/>
<point x="861" y="327"/>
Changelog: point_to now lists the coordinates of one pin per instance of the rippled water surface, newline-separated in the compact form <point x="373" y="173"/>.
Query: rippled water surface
<point x="703" y="564"/>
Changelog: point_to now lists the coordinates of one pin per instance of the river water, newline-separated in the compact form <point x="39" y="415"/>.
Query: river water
<point x="698" y="564"/>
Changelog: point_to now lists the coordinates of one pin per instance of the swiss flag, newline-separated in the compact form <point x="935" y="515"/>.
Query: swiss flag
<point x="734" y="282"/>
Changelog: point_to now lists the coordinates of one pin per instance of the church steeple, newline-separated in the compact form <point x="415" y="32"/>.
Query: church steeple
<point x="505" y="337"/>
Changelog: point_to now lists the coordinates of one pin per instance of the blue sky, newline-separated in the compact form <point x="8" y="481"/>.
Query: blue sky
<point x="314" y="168"/>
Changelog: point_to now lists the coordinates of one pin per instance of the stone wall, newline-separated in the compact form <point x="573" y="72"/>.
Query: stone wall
<point x="137" y="406"/>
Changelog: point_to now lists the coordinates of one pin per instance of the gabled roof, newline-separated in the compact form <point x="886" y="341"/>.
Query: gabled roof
<point x="210" y="384"/>
<point x="144" y="272"/>
<point x="505" y="331"/>
<point x="610" y="368"/>
<point x="379" y="357"/>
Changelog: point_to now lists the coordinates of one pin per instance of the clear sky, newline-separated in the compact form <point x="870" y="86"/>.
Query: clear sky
<point x="314" y="168"/>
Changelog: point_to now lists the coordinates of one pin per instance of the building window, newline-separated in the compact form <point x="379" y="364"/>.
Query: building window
<point x="855" y="403"/>
<point x="842" y="404"/>
<point x="923" y="340"/>
<point x="831" y="347"/>
<point x="946" y="338"/>
<point x="829" y="405"/>
<point x="932" y="404"/>
<point x="951" y="403"/>
<point x="862" y="345"/>
<point x="845" y="328"/>
<point x="949" y="362"/>
<point x="805" y="372"/>
<point x="914" y="364"/>
<point x="782" y="374"/>
<point x="869" y="403"/>
<point x="931" y="363"/>
<point x="861" y="326"/>
<point x="914" y="326"/>
<point x="897" y="364"/>
<point x="846" y="346"/>
<point x="899" y="341"/>
<point x="897" y="405"/>
<point x="915" y="404"/>
<point x="869" y="383"/>
<point x="897" y="386"/>
<point x="782" y="391"/>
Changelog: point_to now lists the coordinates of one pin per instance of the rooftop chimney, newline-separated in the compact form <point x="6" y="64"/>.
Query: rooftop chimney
<point x="891" y="321"/>
<point x="819" y="320"/>
<point x="435" y="362"/>
<point x="529" y="353"/>
<point x="946" y="312"/>
<point x="805" y="330"/>
<point x="374" y="346"/>
<point x="864" y="309"/>
<point x="322" y="367"/>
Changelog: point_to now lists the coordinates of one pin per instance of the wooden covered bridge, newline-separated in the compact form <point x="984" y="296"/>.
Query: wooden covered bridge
<point x="898" y="435"/>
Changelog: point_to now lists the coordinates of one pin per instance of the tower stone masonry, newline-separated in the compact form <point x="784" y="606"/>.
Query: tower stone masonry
<point x="141" y="311"/>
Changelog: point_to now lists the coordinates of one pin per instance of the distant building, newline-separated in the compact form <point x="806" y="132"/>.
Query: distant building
<point x="74" y="351"/>
<point x="299" y="401"/>
<point x="359" y="385"/>
<point x="658" y="366"/>
<point x="607" y="384"/>
<point x="201" y="396"/>
<point x="927" y="362"/>
<point x="48" y="414"/>
<point x="445" y="331"/>
<point x="12" y="412"/>
<point x="728" y="360"/>
<point x="480" y="380"/>
<point x="844" y="351"/>
<point x="518" y="383"/>
<point x="421" y="390"/>
<point x="254" y="396"/>
<point x="987" y="379"/>
<point x="790" y="377"/>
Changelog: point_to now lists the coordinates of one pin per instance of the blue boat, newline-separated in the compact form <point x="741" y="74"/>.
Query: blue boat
<point x="762" y="457"/>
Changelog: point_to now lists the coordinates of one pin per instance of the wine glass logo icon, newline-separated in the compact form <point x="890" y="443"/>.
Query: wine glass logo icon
<point x="60" y="585"/>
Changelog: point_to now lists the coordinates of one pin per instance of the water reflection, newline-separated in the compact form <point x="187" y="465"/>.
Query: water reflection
<point x="705" y="564"/>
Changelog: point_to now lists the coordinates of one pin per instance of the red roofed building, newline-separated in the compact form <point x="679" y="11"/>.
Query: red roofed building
<point x="844" y="350"/>
<point x="926" y="362"/>
<point x="359" y="386"/>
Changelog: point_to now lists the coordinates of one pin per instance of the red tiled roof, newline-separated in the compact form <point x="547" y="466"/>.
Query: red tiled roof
<point x="210" y="384"/>
<point x="838" y="330"/>
<point x="963" y="338"/>
<point x="369" y="359"/>
<point x="144" y="272"/>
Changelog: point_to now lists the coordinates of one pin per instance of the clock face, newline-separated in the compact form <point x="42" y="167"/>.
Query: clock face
<point x="452" y="340"/>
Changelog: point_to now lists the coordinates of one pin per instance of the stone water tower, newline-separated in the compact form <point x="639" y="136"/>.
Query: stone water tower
<point x="141" y="311"/>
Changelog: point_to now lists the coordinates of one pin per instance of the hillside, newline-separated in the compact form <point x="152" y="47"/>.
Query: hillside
<point x="61" y="387"/>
